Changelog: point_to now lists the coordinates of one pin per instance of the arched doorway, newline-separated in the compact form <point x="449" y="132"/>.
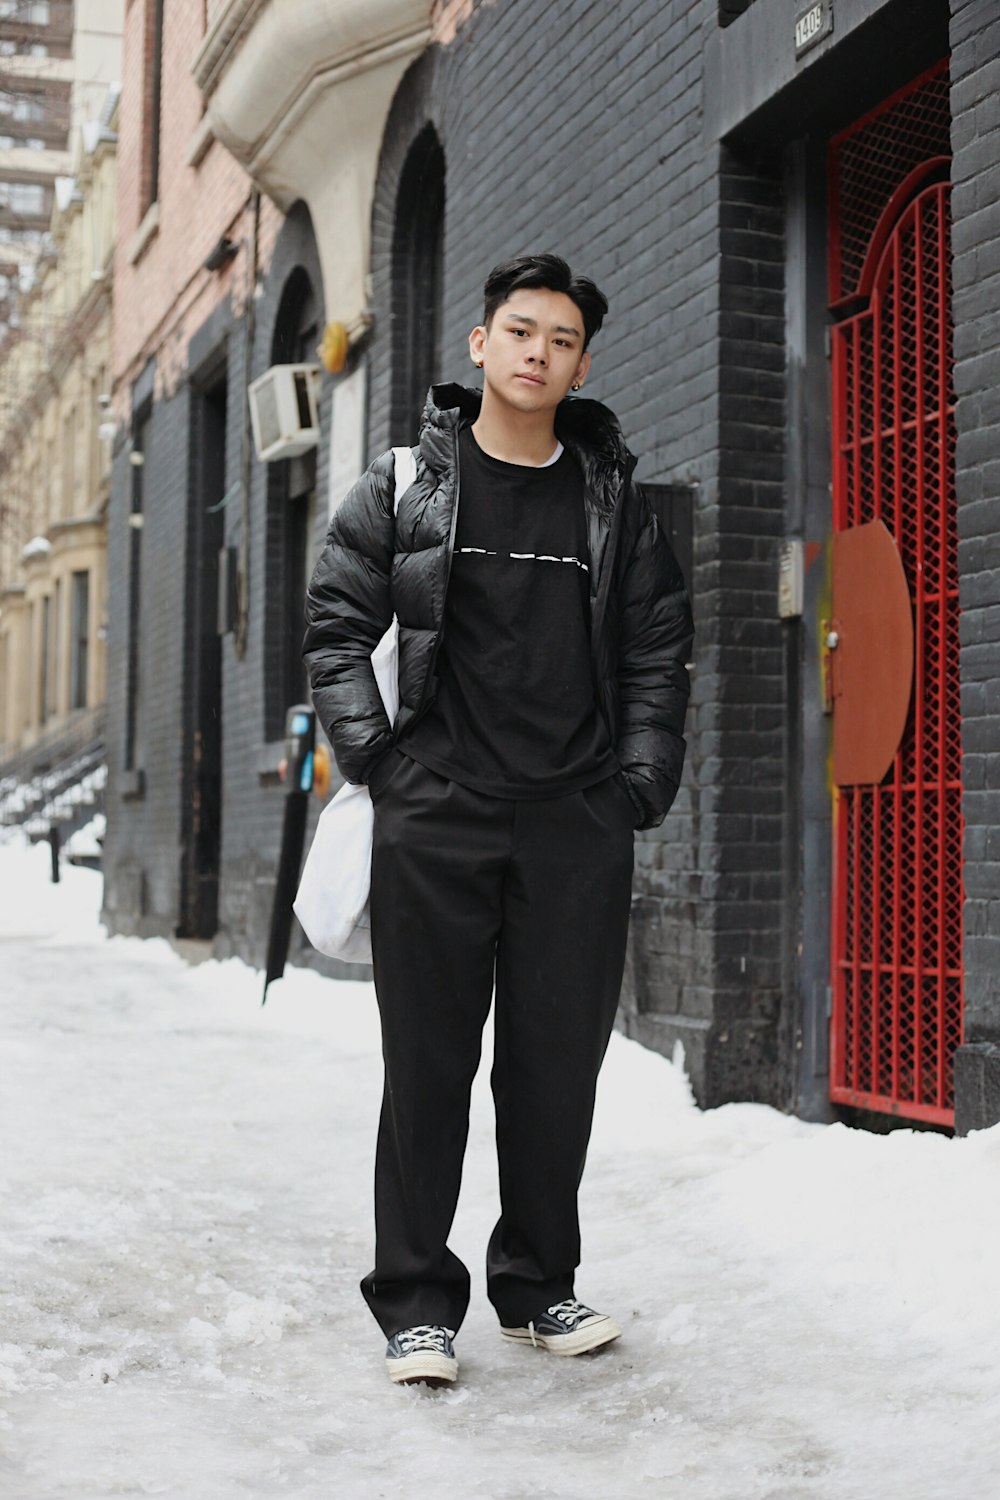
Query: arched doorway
<point x="291" y="507"/>
<point x="897" y="888"/>
<point x="416" y="282"/>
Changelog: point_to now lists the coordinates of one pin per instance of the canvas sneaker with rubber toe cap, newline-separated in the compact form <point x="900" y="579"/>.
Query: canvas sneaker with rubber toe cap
<point x="567" y="1328"/>
<point x="424" y="1353"/>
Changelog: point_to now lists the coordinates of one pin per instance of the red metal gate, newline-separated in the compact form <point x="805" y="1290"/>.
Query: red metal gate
<point x="897" y="897"/>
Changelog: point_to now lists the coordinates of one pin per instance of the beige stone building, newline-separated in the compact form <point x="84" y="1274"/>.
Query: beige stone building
<point x="55" y="454"/>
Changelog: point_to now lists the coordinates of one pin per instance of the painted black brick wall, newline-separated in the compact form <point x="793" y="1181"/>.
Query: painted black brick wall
<point x="142" y="849"/>
<point x="143" y="852"/>
<point x="621" y="161"/>
<point x="975" y="95"/>
<point x="743" y="792"/>
<point x="662" y="214"/>
<point x="254" y="798"/>
<point x="729" y="10"/>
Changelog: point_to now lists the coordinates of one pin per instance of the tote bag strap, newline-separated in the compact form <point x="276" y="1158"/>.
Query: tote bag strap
<point x="406" y="473"/>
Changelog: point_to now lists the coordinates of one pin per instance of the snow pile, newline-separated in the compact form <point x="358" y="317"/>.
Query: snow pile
<point x="31" y="906"/>
<point x="87" y="842"/>
<point x="38" y="546"/>
<point x="809" y="1313"/>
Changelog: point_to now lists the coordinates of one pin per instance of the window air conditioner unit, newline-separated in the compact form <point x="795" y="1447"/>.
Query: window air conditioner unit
<point x="284" y="411"/>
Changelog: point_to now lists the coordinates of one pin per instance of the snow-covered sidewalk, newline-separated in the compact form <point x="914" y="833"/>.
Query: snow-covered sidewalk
<point x="185" y="1189"/>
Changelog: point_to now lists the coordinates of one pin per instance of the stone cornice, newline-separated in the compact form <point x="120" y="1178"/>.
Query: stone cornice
<point x="298" y="91"/>
<point x="222" y="38"/>
<point x="75" y="531"/>
<point x="263" y="62"/>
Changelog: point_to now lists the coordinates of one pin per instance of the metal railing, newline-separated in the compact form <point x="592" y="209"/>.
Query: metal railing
<point x="58" y="780"/>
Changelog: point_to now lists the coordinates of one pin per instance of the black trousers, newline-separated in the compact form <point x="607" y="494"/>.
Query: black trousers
<point x="467" y="891"/>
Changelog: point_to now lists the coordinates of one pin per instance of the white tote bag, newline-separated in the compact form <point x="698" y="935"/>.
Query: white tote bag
<point x="332" y="900"/>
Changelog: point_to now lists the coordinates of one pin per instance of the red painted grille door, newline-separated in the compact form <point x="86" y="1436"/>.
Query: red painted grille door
<point x="897" y="918"/>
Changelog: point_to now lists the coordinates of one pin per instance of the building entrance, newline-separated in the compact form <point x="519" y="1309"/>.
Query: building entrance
<point x="897" y="887"/>
<point x="201" y="811"/>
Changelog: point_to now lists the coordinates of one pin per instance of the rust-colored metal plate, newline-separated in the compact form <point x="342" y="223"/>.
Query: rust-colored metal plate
<point x="873" y="655"/>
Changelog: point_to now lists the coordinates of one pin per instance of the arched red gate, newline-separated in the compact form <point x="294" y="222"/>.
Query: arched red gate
<point x="897" y="896"/>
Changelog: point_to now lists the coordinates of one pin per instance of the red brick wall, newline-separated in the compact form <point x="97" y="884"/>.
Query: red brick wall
<point x="163" y="297"/>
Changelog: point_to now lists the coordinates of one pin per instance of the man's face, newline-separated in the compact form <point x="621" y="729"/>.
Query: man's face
<point x="532" y="351"/>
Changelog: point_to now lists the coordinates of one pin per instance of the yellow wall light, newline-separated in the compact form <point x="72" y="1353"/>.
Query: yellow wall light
<point x="333" y="349"/>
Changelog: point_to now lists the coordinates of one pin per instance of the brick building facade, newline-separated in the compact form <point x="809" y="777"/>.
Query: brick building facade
<point x="180" y="375"/>
<point x="716" y="167"/>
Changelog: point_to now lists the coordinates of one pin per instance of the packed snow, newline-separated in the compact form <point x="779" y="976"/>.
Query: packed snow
<point x="88" y="841"/>
<point x="808" y="1311"/>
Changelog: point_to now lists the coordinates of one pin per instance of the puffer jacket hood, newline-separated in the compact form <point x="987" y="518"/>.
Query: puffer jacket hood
<point x="376" y="564"/>
<point x="589" y="430"/>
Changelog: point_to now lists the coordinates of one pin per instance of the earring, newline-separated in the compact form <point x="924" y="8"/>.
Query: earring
<point x="478" y="364"/>
<point x="575" y="386"/>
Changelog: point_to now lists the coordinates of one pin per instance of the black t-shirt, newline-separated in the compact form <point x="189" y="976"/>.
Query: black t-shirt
<point x="515" y="714"/>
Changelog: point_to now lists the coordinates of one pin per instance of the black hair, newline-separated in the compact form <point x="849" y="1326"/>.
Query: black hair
<point x="552" y="273"/>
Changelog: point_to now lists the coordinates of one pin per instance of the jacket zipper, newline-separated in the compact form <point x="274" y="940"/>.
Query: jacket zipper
<point x="425" y="703"/>
<point x="604" y="582"/>
<point x="601" y="600"/>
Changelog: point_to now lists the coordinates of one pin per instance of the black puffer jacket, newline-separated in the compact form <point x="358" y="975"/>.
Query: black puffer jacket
<point x="373" y="566"/>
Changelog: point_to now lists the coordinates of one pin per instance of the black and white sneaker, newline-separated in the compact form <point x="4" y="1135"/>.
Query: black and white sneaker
<point x="567" y="1328"/>
<point x="424" y="1353"/>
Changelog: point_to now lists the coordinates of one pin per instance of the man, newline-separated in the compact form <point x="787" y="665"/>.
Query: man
<point x="543" y="631"/>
